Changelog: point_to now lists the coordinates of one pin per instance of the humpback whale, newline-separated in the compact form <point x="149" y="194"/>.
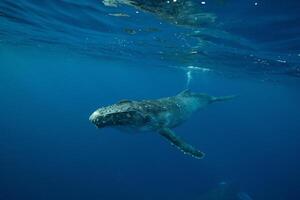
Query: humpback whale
<point x="159" y="115"/>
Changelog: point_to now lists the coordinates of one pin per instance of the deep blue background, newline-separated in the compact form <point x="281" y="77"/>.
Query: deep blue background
<point x="61" y="60"/>
<point x="49" y="150"/>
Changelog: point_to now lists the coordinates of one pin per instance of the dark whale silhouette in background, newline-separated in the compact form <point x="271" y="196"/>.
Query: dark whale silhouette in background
<point x="225" y="191"/>
<point x="158" y="115"/>
<point x="179" y="12"/>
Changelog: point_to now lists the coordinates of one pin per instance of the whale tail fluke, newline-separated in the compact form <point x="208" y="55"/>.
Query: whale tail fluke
<point x="223" y="98"/>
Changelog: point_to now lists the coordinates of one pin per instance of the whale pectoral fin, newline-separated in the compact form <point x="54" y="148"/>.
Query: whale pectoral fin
<point x="180" y="144"/>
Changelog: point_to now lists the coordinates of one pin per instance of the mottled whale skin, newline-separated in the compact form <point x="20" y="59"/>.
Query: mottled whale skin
<point x="159" y="115"/>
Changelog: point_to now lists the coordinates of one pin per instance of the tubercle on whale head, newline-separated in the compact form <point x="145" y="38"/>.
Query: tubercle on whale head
<point x="116" y="115"/>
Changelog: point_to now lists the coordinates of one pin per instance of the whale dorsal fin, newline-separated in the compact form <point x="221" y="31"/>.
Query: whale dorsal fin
<point x="185" y="92"/>
<point x="180" y="144"/>
<point x="124" y="101"/>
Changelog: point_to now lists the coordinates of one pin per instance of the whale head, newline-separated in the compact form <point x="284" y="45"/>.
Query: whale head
<point x="121" y="114"/>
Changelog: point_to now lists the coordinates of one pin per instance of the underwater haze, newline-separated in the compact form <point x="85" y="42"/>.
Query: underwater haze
<point x="60" y="60"/>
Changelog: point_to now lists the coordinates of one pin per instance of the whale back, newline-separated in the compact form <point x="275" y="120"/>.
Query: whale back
<point x="194" y="101"/>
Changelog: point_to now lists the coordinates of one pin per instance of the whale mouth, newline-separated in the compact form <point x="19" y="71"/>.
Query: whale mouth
<point x="115" y="119"/>
<point x="98" y="120"/>
<point x="93" y="117"/>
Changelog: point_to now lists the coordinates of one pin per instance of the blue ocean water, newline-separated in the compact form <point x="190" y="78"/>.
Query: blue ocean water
<point x="61" y="60"/>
